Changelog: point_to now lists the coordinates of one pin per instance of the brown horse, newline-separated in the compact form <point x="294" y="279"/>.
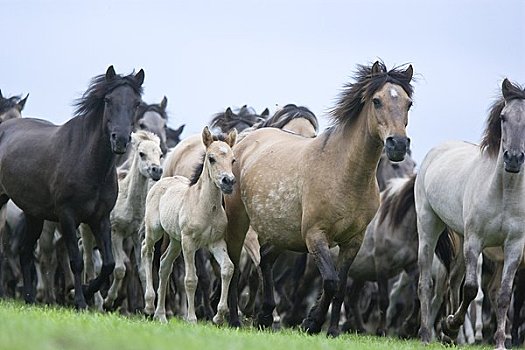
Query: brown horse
<point x="309" y="194"/>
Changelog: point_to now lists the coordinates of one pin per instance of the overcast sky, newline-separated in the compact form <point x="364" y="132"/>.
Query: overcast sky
<point x="207" y="55"/>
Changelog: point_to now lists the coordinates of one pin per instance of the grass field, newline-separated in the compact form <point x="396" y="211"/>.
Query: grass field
<point x="39" y="327"/>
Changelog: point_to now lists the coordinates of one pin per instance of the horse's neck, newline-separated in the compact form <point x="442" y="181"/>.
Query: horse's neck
<point x="206" y="195"/>
<point x="354" y="154"/>
<point x="134" y="187"/>
<point x="509" y="186"/>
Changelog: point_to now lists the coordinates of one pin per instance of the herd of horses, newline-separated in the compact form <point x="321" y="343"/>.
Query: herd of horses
<point x="279" y="225"/>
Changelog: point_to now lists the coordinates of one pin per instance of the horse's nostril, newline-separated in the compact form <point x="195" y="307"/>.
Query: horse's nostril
<point x="113" y="135"/>
<point x="390" y="142"/>
<point x="521" y="157"/>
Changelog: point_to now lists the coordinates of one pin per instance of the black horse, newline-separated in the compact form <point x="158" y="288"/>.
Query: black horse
<point x="67" y="173"/>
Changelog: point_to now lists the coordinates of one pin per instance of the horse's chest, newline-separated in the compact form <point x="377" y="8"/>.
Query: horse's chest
<point x="496" y="223"/>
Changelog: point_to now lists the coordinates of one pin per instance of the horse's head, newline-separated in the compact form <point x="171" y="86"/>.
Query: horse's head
<point x="512" y="119"/>
<point x="219" y="159"/>
<point x="11" y="107"/>
<point x="147" y="149"/>
<point x="388" y="109"/>
<point x="153" y="118"/>
<point x="120" y="105"/>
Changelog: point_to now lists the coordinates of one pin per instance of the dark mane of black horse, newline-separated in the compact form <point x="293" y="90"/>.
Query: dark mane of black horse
<point x="197" y="170"/>
<point x="289" y="113"/>
<point x="492" y="134"/>
<point x="229" y="120"/>
<point x="155" y="107"/>
<point x="92" y="101"/>
<point x="367" y="82"/>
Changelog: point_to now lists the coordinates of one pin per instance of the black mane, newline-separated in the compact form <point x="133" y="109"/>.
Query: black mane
<point x="228" y="120"/>
<point x="289" y="113"/>
<point x="93" y="99"/>
<point x="355" y="95"/>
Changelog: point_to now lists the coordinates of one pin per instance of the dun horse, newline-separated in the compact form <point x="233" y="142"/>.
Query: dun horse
<point x="192" y="214"/>
<point x="309" y="194"/>
<point x="67" y="173"/>
<point x="483" y="201"/>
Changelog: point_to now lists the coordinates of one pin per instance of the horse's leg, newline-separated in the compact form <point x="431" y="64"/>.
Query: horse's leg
<point x="268" y="256"/>
<point x="345" y="258"/>
<point x="220" y="252"/>
<point x="238" y="224"/>
<point x="203" y="287"/>
<point x="299" y="291"/>
<point x="120" y="269"/>
<point x="190" y="279"/>
<point x="478" y="336"/>
<point x="519" y="298"/>
<point x="30" y="232"/>
<point x="166" y="265"/>
<point x="48" y="261"/>
<point x="471" y="250"/>
<point x="68" y="228"/>
<point x="317" y="245"/>
<point x="382" y="285"/>
<point x="513" y="251"/>
<point x="148" y="246"/>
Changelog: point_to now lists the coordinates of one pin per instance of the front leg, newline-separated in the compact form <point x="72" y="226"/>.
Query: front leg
<point x="29" y="229"/>
<point x="190" y="279"/>
<point x="220" y="252"/>
<point x="102" y="232"/>
<point x="120" y="269"/>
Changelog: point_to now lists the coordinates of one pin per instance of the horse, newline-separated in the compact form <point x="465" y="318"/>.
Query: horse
<point x="67" y="173"/>
<point x="154" y="118"/>
<point x="11" y="107"/>
<point x="191" y="213"/>
<point x="245" y="117"/>
<point x="482" y="202"/>
<point x="308" y="194"/>
<point x="128" y="213"/>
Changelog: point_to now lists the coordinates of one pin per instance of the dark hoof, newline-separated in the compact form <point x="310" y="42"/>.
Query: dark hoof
<point x="333" y="332"/>
<point x="310" y="326"/>
<point x="81" y="305"/>
<point x="446" y="340"/>
<point x="449" y="331"/>
<point x="264" y="321"/>
<point x="508" y="343"/>
<point x="235" y="324"/>
<point x="381" y="332"/>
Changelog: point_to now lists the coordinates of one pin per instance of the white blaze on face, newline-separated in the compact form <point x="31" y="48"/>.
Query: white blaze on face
<point x="393" y="93"/>
<point x="223" y="149"/>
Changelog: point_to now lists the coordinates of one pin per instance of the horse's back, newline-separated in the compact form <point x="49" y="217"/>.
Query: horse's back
<point x="183" y="158"/>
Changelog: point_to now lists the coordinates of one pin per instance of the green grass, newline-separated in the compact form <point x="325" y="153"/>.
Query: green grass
<point x="40" y="327"/>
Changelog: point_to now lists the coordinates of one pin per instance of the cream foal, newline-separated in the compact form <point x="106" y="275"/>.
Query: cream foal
<point x="191" y="213"/>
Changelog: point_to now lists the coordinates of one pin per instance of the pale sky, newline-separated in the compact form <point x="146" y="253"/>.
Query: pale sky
<point x="208" y="55"/>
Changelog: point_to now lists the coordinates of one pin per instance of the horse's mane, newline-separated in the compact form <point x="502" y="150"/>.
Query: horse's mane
<point x="144" y="135"/>
<point x="93" y="99"/>
<point x="492" y="135"/>
<point x="8" y="103"/>
<point x="228" y="120"/>
<point x="287" y="114"/>
<point x="197" y="170"/>
<point x="155" y="107"/>
<point x="355" y="95"/>
<point x="397" y="203"/>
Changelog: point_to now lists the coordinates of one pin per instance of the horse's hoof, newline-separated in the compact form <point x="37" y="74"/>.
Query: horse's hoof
<point x="218" y="319"/>
<point x="333" y="332"/>
<point x="381" y="332"/>
<point x="264" y="321"/>
<point x="447" y="329"/>
<point x="424" y="335"/>
<point x="235" y="324"/>
<point x="160" y="317"/>
<point x="310" y="326"/>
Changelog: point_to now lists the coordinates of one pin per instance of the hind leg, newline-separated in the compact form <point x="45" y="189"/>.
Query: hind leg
<point x="268" y="256"/>
<point x="120" y="269"/>
<point x="151" y="236"/>
<point x="30" y="234"/>
<point x="220" y="252"/>
<point x="166" y="266"/>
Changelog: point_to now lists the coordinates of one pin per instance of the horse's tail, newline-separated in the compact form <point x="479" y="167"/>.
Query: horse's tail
<point x="445" y="248"/>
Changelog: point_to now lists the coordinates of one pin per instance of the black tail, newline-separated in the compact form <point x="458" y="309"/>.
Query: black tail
<point x="445" y="248"/>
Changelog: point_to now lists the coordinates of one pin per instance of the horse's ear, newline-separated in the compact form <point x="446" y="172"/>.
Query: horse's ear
<point x="110" y="73"/>
<point x="164" y="103"/>
<point x="409" y="72"/>
<point x="1" y="94"/>
<point x="265" y="113"/>
<point x="506" y="88"/>
<point x="139" y="77"/>
<point x="228" y="113"/>
<point x="20" y="105"/>
<point x="180" y="129"/>
<point x="376" y="68"/>
<point x="231" y="138"/>
<point x="207" y="137"/>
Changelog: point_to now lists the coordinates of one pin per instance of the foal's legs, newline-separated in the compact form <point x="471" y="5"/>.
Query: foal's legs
<point x="220" y="252"/>
<point x="166" y="265"/>
<point x="30" y="234"/>
<point x="317" y="245"/>
<point x="268" y="256"/>
<point x="190" y="279"/>
<point x="120" y="269"/>
<point x="151" y="236"/>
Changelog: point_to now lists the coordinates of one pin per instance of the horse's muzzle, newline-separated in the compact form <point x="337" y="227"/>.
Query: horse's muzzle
<point x="513" y="161"/>
<point x="396" y="147"/>
<point x="155" y="172"/>
<point x="119" y="144"/>
<point x="227" y="185"/>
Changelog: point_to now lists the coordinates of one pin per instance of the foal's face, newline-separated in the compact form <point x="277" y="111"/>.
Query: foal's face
<point x="513" y="134"/>
<point x="220" y="160"/>
<point x="150" y="156"/>
<point x="389" y="117"/>
<point x="153" y="122"/>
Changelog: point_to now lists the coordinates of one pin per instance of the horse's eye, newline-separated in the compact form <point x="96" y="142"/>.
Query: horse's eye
<point x="377" y="102"/>
<point x="503" y="118"/>
<point x="141" y="154"/>
<point x="409" y="105"/>
<point x="233" y="161"/>
<point x="142" y="126"/>
<point x="212" y="160"/>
